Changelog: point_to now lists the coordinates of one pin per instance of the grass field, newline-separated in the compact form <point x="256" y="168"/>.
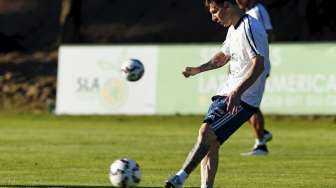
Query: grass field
<point x="51" y="151"/>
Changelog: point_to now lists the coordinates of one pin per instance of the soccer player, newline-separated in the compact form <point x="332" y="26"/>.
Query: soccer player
<point x="246" y="50"/>
<point x="258" y="11"/>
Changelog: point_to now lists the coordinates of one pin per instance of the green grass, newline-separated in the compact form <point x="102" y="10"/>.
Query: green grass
<point x="47" y="150"/>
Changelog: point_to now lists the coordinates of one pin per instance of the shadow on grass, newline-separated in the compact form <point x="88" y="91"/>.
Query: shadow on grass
<point x="69" y="186"/>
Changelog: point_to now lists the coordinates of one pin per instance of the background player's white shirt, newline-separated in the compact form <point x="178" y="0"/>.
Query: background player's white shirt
<point x="260" y="13"/>
<point x="243" y="42"/>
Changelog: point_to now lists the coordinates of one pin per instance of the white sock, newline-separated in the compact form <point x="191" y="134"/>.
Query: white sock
<point x="182" y="175"/>
<point x="259" y="142"/>
<point x="205" y="186"/>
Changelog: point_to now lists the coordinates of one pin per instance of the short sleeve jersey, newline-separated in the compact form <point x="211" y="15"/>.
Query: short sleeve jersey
<point x="260" y="13"/>
<point x="243" y="42"/>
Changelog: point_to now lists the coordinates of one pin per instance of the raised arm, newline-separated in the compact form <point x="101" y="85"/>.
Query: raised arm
<point x="215" y="62"/>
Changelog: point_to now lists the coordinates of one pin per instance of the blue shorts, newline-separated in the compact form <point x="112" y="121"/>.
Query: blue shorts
<point x="222" y="122"/>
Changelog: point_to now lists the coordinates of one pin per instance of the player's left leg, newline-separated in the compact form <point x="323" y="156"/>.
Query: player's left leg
<point x="209" y="166"/>
<point x="206" y="139"/>
<point x="203" y="168"/>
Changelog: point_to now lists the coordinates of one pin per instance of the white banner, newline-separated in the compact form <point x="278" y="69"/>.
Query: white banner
<point x="90" y="80"/>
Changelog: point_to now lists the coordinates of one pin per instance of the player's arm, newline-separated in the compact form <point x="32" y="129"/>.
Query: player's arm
<point x="264" y="15"/>
<point x="257" y="68"/>
<point x="219" y="60"/>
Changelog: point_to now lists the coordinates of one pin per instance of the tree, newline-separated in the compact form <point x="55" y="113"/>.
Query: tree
<point x="71" y="21"/>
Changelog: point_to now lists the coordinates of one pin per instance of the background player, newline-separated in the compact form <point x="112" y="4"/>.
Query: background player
<point x="258" y="11"/>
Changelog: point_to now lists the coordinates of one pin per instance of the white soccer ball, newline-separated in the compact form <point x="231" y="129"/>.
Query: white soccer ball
<point x="124" y="173"/>
<point x="132" y="69"/>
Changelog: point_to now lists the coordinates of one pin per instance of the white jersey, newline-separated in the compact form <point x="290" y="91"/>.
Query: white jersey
<point x="260" y="13"/>
<point x="243" y="42"/>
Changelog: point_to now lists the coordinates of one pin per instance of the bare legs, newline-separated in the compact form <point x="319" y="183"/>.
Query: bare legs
<point x="205" y="150"/>
<point x="206" y="138"/>
<point x="257" y="122"/>
<point x="209" y="166"/>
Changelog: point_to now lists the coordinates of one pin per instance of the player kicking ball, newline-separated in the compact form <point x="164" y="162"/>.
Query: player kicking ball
<point x="245" y="49"/>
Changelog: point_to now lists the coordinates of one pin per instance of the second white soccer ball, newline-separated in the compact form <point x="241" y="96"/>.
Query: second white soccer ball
<point x="124" y="173"/>
<point x="133" y="69"/>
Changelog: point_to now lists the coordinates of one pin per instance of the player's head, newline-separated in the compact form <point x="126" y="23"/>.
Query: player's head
<point x="207" y="2"/>
<point x="221" y="11"/>
<point x="245" y="4"/>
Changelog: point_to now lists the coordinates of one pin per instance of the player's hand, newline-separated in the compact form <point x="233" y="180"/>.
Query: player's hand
<point x="233" y="102"/>
<point x="190" y="71"/>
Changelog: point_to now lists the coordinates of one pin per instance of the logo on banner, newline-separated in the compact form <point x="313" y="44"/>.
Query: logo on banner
<point x="114" y="93"/>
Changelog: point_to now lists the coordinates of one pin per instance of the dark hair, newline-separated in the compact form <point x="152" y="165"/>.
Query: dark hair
<point x="219" y="2"/>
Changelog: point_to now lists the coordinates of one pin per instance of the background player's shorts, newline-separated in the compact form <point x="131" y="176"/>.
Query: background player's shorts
<point x="222" y="122"/>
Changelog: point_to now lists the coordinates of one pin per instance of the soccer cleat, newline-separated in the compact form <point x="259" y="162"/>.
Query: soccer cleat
<point x="267" y="136"/>
<point x="173" y="182"/>
<point x="257" y="151"/>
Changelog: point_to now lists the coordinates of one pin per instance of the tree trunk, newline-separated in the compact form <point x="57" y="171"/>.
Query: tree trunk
<point x="70" y="21"/>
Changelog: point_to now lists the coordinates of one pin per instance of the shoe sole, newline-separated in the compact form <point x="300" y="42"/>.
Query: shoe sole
<point x="253" y="154"/>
